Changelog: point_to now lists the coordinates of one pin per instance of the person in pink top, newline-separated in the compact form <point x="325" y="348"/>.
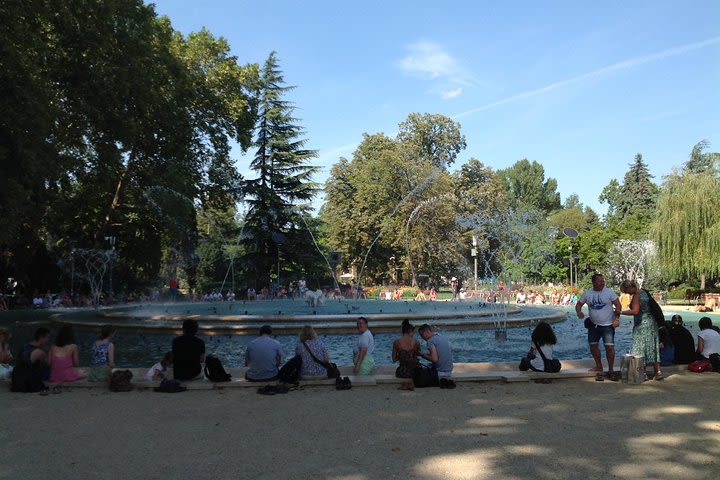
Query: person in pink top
<point x="64" y="357"/>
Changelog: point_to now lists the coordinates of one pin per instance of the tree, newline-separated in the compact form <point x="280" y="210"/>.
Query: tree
<point x="277" y="197"/>
<point x="701" y="161"/>
<point x="638" y="193"/>
<point x="686" y="227"/>
<point x="105" y="103"/>
<point x="478" y="188"/>
<point x="387" y="203"/>
<point x="527" y="188"/>
<point x="432" y="137"/>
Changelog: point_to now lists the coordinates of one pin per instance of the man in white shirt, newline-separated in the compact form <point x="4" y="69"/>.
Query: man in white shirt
<point x="604" y="308"/>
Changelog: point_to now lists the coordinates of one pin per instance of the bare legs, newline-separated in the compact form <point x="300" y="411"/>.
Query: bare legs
<point x="609" y="351"/>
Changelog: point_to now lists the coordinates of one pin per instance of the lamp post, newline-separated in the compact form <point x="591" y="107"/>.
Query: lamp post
<point x="111" y="240"/>
<point x="571" y="233"/>
<point x="473" y="252"/>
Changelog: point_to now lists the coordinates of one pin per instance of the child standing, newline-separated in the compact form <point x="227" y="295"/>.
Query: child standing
<point x="102" y="356"/>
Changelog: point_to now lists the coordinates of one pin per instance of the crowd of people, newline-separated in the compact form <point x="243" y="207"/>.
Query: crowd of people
<point x="59" y="364"/>
<point x="656" y="341"/>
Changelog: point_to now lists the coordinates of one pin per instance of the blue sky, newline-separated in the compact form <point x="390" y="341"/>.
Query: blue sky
<point x="578" y="86"/>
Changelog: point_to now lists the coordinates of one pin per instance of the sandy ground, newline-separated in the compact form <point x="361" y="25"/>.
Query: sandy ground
<point x="570" y="429"/>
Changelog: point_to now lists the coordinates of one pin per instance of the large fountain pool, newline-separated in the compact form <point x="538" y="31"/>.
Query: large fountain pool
<point x="139" y="348"/>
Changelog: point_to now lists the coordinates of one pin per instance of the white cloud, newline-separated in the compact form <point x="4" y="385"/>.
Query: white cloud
<point x="429" y="60"/>
<point x="615" y="67"/>
<point x="451" y="93"/>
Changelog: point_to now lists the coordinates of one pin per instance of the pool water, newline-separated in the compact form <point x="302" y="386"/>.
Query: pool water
<point x="137" y="349"/>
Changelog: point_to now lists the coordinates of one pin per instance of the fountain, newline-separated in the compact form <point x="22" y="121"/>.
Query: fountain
<point x="631" y="260"/>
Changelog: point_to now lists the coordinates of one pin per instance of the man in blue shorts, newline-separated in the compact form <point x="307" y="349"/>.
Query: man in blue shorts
<point x="604" y="308"/>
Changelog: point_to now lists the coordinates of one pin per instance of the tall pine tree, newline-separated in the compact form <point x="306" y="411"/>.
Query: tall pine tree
<point x="638" y="193"/>
<point x="278" y="196"/>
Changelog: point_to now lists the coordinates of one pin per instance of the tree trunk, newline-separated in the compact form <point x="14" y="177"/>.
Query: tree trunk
<point x="702" y="281"/>
<point x="117" y="198"/>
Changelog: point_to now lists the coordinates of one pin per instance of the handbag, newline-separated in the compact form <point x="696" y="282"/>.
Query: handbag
<point x="700" y="366"/>
<point x="425" y="376"/>
<point x="332" y="369"/>
<point x="636" y="369"/>
<point x="552" y="365"/>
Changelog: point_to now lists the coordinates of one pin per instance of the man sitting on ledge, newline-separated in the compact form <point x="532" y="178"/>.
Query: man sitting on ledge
<point x="263" y="356"/>
<point x="440" y="355"/>
<point x="188" y="352"/>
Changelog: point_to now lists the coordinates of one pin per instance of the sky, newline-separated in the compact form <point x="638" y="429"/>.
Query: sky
<point x="580" y="87"/>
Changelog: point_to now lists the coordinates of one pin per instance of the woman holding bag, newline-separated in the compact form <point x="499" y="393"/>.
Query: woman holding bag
<point x="645" y="337"/>
<point x="308" y="345"/>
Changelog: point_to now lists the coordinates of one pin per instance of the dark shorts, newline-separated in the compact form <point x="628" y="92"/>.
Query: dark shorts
<point x="607" y="333"/>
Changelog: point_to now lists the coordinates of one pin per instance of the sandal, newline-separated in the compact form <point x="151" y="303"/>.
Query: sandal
<point x="614" y="376"/>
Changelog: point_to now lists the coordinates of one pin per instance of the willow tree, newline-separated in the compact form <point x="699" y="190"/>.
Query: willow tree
<point x="686" y="227"/>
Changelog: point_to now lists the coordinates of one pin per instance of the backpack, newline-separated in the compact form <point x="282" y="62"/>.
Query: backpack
<point x="214" y="370"/>
<point x="290" y="372"/>
<point x="120" y="381"/>
<point x="425" y="376"/>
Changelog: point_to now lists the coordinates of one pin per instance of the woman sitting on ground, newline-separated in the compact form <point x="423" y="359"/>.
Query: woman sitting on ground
<point x="308" y="342"/>
<point x="6" y="357"/>
<point x="102" y="356"/>
<point x="64" y="357"/>
<point x="708" y="346"/>
<point x="406" y="350"/>
<point x="544" y="337"/>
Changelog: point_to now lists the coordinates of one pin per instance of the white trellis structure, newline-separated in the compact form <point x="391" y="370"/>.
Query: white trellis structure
<point x="91" y="264"/>
<point x="631" y="259"/>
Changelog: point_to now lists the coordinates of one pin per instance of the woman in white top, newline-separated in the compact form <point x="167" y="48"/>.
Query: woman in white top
<point x="544" y="337"/>
<point x="708" y="339"/>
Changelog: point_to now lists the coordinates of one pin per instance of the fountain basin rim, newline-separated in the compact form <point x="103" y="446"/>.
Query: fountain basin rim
<point x="342" y="327"/>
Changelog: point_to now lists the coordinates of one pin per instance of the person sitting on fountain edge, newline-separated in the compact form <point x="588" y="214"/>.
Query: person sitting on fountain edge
<point x="188" y="353"/>
<point x="440" y="354"/>
<point x="263" y="356"/>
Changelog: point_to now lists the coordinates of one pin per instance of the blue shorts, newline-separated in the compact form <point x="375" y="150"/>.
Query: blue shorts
<point x="607" y="333"/>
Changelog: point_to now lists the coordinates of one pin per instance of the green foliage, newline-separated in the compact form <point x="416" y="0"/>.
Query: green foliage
<point x="105" y="102"/>
<point x="701" y="161"/>
<point x="631" y="205"/>
<point x="390" y="193"/>
<point x="527" y="188"/>
<point x="274" y="228"/>
<point x="432" y="138"/>
<point x="687" y="226"/>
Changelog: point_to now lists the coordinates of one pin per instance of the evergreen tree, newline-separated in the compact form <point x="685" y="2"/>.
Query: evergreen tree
<point x="638" y="193"/>
<point x="276" y="197"/>
<point x="703" y="162"/>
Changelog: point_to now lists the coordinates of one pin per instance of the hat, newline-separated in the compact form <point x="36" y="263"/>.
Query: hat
<point x="266" y="330"/>
<point x="453" y="279"/>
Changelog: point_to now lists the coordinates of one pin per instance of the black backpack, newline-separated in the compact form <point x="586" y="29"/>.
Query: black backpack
<point x="425" y="376"/>
<point x="290" y="372"/>
<point x="214" y="370"/>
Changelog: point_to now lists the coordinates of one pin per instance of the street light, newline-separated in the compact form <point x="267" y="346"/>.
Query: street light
<point x="473" y="252"/>
<point x="111" y="240"/>
<point x="571" y="233"/>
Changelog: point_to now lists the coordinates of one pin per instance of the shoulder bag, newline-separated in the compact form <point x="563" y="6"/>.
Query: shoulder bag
<point x="552" y="365"/>
<point x="332" y="369"/>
